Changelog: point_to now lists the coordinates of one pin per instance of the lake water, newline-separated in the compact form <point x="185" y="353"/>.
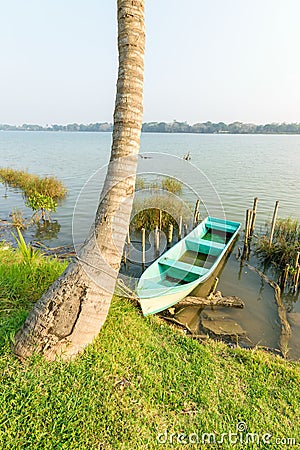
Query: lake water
<point x="226" y="172"/>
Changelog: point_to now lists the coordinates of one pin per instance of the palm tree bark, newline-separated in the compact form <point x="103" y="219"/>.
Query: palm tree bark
<point x="71" y="313"/>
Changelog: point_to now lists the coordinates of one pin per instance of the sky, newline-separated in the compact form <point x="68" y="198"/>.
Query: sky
<point x="234" y="60"/>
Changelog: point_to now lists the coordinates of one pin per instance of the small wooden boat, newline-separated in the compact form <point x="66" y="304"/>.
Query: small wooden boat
<point x="177" y="272"/>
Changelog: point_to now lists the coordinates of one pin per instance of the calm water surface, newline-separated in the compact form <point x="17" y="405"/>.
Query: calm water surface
<point x="226" y="169"/>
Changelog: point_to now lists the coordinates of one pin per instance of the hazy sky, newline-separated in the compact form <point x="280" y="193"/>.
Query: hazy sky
<point x="205" y="60"/>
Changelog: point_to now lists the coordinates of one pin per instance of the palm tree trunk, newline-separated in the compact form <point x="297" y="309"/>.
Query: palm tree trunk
<point x="71" y="313"/>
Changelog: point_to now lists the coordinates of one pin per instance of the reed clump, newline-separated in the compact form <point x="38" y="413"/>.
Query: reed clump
<point x="168" y="184"/>
<point x="159" y="205"/>
<point x="285" y="245"/>
<point x="172" y="185"/>
<point x="18" y="220"/>
<point x="31" y="183"/>
<point x="159" y="210"/>
<point x="41" y="194"/>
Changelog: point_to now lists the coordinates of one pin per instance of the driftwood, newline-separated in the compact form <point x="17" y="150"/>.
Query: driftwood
<point x="212" y="300"/>
<point x="63" y="252"/>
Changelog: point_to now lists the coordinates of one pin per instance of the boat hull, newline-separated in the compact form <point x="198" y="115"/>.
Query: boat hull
<point x="153" y="305"/>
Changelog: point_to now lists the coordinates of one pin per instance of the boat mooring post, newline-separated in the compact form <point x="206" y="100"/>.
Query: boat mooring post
<point x="143" y="248"/>
<point x="180" y="228"/>
<point x="156" y="241"/>
<point x="273" y="222"/>
<point x="297" y="259"/>
<point x="170" y="234"/>
<point x="246" y="249"/>
<point x="253" y="216"/>
<point x="247" y="225"/>
<point x="296" y="279"/>
<point x="284" y="277"/>
<point x="196" y="212"/>
<point x="185" y="230"/>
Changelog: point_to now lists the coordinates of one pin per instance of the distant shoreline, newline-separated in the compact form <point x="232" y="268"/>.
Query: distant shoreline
<point x="169" y="128"/>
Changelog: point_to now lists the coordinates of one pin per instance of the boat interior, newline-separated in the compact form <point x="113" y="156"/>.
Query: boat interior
<point x="197" y="256"/>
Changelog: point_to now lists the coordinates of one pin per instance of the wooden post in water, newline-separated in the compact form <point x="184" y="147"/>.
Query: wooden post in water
<point x="180" y="228"/>
<point x="253" y="216"/>
<point x="156" y="241"/>
<point x="296" y="273"/>
<point x="247" y="224"/>
<point x="273" y="222"/>
<point x="297" y="259"/>
<point x="143" y="248"/>
<point x="170" y="234"/>
<point x="296" y="279"/>
<point x="185" y="230"/>
<point x="196" y="212"/>
<point x="246" y="237"/>
<point x="160" y="219"/>
<point x="284" y="277"/>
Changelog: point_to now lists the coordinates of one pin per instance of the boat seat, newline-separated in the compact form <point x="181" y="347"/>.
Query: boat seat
<point x="226" y="228"/>
<point x="203" y="246"/>
<point x="183" y="267"/>
<point x="205" y="242"/>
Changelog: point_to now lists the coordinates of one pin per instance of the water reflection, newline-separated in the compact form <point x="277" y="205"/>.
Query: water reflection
<point x="46" y="230"/>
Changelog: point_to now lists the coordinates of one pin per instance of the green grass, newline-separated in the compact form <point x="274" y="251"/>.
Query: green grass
<point x="139" y="378"/>
<point x="21" y="284"/>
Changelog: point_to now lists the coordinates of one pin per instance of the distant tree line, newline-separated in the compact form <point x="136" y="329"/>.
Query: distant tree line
<point x="104" y="126"/>
<point x="221" y="127"/>
<point x="172" y="127"/>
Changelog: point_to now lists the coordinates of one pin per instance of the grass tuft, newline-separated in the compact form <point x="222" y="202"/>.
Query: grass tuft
<point x="285" y="245"/>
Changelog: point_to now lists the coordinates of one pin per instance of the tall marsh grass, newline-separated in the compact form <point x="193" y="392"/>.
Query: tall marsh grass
<point x="168" y="184"/>
<point x="285" y="245"/>
<point x="41" y="193"/>
<point x="145" y="212"/>
<point x="158" y="197"/>
<point x="31" y="183"/>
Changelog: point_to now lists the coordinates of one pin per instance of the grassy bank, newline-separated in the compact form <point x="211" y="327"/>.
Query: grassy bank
<point x="138" y="379"/>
